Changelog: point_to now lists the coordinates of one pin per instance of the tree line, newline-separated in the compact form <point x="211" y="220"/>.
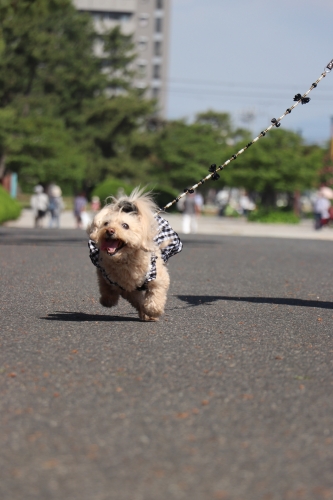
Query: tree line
<point x="71" y="117"/>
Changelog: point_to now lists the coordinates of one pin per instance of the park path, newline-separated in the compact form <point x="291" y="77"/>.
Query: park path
<point x="213" y="225"/>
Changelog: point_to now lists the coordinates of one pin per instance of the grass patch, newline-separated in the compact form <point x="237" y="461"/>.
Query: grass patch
<point x="9" y="209"/>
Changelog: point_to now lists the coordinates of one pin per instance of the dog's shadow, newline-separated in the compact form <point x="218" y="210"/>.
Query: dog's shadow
<point x="190" y="301"/>
<point x="199" y="300"/>
<point x="81" y="317"/>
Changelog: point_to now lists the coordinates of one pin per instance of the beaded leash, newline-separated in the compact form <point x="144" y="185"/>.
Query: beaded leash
<point x="275" y="122"/>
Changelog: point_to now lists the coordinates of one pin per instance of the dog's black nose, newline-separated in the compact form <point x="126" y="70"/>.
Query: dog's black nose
<point x="110" y="231"/>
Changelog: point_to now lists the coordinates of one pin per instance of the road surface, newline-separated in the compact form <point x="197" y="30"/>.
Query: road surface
<point x="228" y="396"/>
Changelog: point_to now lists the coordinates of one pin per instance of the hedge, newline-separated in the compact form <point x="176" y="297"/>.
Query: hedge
<point x="273" y="216"/>
<point x="9" y="208"/>
<point x="110" y="187"/>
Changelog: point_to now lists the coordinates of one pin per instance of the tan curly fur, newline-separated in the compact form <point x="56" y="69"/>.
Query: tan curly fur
<point x="125" y="242"/>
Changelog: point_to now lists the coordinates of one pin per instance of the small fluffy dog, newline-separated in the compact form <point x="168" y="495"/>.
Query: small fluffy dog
<point x="130" y="245"/>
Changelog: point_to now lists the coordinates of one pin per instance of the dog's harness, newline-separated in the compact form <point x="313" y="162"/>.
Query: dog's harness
<point x="165" y="233"/>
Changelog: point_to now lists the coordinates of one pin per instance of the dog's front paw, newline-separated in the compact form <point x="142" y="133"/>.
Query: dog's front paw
<point x="152" y="307"/>
<point x="145" y="317"/>
<point x="108" y="300"/>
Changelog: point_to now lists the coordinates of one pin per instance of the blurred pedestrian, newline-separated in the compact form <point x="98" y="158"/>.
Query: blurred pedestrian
<point x="222" y="200"/>
<point x="56" y="205"/>
<point x="330" y="211"/>
<point x="246" y="205"/>
<point x="120" y="192"/>
<point x="211" y="197"/>
<point x="39" y="203"/>
<point x="199" y="203"/>
<point x="95" y="204"/>
<point x="85" y="219"/>
<point x="190" y="211"/>
<point x="80" y="204"/>
<point x="321" y="211"/>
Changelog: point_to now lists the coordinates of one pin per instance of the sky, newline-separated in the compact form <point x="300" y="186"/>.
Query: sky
<point x="249" y="58"/>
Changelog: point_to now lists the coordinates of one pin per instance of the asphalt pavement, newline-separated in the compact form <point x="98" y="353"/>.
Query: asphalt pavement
<point x="227" y="397"/>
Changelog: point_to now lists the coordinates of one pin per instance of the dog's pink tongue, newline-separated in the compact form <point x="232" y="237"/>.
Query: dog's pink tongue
<point x="109" y="246"/>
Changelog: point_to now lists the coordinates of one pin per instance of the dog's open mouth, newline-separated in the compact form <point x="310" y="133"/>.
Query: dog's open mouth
<point x="112" y="246"/>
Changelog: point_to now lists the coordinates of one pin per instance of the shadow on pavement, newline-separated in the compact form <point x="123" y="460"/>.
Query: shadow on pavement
<point x="83" y="317"/>
<point x="197" y="300"/>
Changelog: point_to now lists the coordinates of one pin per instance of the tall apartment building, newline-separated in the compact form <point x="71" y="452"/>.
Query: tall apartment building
<point x="148" y="21"/>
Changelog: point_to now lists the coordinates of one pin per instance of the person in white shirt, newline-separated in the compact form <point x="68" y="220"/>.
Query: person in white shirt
<point x="39" y="203"/>
<point x="321" y="211"/>
<point x="246" y="205"/>
<point x="190" y="212"/>
<point x="56" y="205"/>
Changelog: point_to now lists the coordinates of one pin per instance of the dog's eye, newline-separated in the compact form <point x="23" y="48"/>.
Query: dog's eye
<point x="125" y="226"/>
<point x="106" y="223"/>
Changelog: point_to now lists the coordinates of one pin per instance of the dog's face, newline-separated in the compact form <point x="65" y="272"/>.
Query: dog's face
<point x="121" y="233"/>
<point x="125" y="226"/>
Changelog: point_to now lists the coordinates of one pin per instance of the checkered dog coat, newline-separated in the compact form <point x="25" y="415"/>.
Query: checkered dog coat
<point x="165" y="233"/>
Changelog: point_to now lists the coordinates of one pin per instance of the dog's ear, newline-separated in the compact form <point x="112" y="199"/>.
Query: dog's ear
<point x="94" y="227"/>
<point x="92" y="231"/>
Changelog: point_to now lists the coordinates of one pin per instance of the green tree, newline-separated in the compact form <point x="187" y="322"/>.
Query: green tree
<point x="277" y="163"/>
<point x="325" y="155"/>
<point x="109" y="137"/>
<point x="48" y="51"/>
<point x="50" y="75"/>
<point x="47" y="69"/>
<point x="41" y="150"/>
<point x="118" y="53"/>
<point x="221" y="123"/>
<point x="184" y="153"/>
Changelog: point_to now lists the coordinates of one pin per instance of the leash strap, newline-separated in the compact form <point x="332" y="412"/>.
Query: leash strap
<point x="275" y="122"/>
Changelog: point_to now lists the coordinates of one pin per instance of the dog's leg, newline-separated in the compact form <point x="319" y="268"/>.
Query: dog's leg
<point x="155" y="299"/>
<point x="136" y="299"/>
<point x="109" y="294"/>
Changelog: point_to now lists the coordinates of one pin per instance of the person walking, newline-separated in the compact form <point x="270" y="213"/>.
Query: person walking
<point x="56" y="205"/>
<point x="246" y="205"/>
<point x="39" y="203"/>
<point x="321" y="211"/>
<point x="190" y="211"/>
<point x="95" y="204"/>
<point x="199" y="202"/>
<point x="80" y="204"/>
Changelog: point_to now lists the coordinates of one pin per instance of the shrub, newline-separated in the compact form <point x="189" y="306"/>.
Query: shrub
<point x="230" y="212"/>
<point x="110" y="187"/>
<point x="273" y="216"/>
<point x="9" y="208"/>
<point x="163" y="195"/>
